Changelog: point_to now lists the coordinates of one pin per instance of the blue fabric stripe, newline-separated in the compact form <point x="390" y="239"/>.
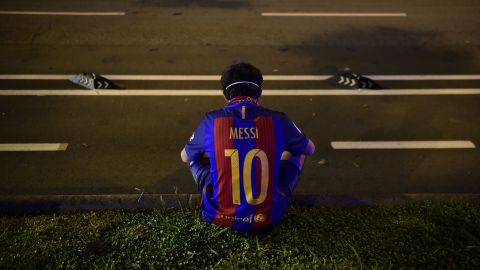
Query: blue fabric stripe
<point x="209" y="204"/>
<point x="278" y="209"/>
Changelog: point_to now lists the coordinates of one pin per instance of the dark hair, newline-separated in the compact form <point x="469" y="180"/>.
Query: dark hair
<point x="242" y="72"/>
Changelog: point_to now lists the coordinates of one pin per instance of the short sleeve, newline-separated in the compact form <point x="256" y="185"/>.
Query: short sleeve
<point x="195" y="146"/>
<point x="296" y="141"/>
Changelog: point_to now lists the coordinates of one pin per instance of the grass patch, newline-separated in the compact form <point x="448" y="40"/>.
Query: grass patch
<point x="428" y="235"/>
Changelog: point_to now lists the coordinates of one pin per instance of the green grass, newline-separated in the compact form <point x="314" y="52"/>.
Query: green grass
<point x="427" y="236"/>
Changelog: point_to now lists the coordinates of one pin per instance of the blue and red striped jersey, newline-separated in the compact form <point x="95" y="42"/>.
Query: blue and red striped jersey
<point x="244" y="142"/>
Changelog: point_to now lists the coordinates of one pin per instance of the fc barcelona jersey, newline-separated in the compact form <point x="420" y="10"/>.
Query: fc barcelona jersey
<point x="244" y="142"/>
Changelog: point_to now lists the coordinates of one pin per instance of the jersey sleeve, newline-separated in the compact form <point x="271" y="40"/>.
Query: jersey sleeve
<point x="296" y="141"/>
<point x="195" y="146"/>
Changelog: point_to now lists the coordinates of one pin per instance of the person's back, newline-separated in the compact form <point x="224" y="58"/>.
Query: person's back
<point x="245" y="183"/>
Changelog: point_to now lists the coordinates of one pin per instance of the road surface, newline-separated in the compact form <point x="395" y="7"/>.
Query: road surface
<point x="119" y="143"/>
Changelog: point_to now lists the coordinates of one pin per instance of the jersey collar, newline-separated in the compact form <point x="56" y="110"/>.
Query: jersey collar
<point x="241" y="99"/>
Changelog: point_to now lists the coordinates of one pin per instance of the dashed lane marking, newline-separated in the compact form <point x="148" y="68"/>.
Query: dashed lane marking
<point x="349" y="145"/>
<point x="54" y="13"/>
<point x="303" y="14"/>
<point x="14" y="147"/>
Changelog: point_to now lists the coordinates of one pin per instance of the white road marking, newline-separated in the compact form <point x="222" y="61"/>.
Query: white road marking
<point x="203" y="92"/>
<point x="424" y="77"/>
<point x="303" y="14"/>
<point x="54" y="13"/>
<point x="217" y="77"/>
<point x="395" y="92"/>
<point x="164" y="77"/>
<point x="14" y="147"/>
<point x="35" y="77"/>
<point x="403" y="145"/>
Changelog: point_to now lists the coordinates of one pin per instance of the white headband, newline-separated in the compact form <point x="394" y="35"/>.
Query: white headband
<point x="247" y="82"/>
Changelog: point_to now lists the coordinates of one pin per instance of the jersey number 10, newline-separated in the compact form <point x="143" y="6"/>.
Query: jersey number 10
<point x="247" y="175"/>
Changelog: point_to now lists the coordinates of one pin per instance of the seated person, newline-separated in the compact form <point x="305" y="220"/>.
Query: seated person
<point x="245" y="158"/>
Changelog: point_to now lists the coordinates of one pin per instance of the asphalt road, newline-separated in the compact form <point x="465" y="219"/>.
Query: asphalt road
<point x="119" y="143"/>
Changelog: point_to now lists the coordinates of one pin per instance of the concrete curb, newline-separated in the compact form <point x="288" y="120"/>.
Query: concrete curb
<point x="62" y="203"/>
<point x="381" y="199"/>
<point x="19" y="204"/>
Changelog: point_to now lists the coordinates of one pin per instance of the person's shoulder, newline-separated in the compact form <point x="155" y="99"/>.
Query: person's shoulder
<point x="273" y="113"/>
<point x="220" y="112"/>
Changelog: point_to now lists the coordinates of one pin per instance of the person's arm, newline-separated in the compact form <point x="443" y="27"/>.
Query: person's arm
<point x="186" y="159"/>
<point x="297" y="142"/>
<point x="184" y="156"/>
<point x="195" y="147"/>
<point x="310" y="148"/>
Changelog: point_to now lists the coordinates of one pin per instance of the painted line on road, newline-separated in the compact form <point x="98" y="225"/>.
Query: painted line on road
<point x="279" y="92"/>
<point x="349" y="145"/>
<point x="14" y="147"/>
<point x="265" y="77"/>
<point x="113" y="77"/>
<point x="54" y="13"/>
<point x="424" y="77"/>
<point x="303" y="14"/>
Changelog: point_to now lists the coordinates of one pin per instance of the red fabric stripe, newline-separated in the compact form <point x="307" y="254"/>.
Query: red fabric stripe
<point x="265" y="142"/>
<point x="224" y="169"/>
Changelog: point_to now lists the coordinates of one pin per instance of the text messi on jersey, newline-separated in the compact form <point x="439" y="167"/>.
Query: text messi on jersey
<point x="241" y="133"/>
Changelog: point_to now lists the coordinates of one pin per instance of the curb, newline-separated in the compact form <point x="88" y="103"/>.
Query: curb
<point x="20" y="204"/>
<point x="15" y="204"/>
<point x="384" y="199"/>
